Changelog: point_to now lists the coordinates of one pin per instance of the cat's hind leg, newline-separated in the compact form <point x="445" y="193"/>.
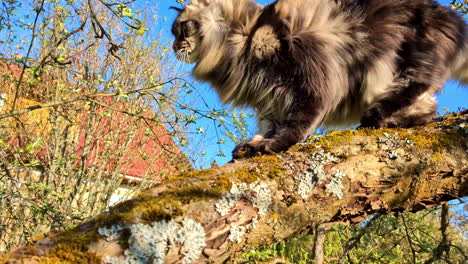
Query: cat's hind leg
<point x="419" y="113"/>
<point x="399" y="99"/>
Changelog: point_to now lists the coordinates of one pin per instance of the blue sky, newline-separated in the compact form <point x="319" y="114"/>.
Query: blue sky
<point x="452" y="97"/>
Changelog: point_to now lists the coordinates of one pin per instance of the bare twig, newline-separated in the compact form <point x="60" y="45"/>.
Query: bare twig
<point x="109" y="6"/>
<point x="408" y="237"/>
<point x="83" y="98"/>
<point x="355" y="240"/>
<point x="31" y="44"/>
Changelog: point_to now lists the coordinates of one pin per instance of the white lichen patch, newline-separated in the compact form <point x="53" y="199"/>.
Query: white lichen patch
<point x="390" y="142"/>
<point x="260" y="196"/>
<point x="236" y="233"/>
<point x="316" y="174"/>
<point x="151" y="242"/>
<point x="462" y="125"/>
<point x="335" y="186"/>
<point x="192" y="238"/>
<point x="309" y="179"/>
<point x="112" y="233"/>
<point x="229" y="200"/>
<point x="258" y="193"/>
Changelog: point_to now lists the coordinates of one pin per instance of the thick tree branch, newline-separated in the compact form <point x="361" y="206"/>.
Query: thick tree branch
<point x="214" y="215"/>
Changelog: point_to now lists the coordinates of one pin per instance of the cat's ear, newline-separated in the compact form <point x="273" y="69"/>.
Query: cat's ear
<point x="179" y="10"/>
<point x="201" y="2"/>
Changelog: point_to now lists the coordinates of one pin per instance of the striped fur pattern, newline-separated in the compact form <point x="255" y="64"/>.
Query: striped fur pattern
<point x="302" y="64"/>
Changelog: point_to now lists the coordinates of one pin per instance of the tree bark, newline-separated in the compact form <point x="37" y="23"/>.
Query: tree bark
<point x="214" y="215"/>
<point x="319" y="243"/>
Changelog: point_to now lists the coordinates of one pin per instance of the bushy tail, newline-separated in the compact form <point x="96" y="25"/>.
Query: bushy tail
<point x="461" y="66"/>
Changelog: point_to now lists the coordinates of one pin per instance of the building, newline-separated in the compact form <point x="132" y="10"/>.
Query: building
<point x="99" y="136"/>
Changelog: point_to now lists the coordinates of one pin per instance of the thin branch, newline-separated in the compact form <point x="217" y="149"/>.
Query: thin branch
<point x="31" y="44"/>
<point x="320" y="233"/>
<point x="444" y="245"/>
<point x="83" y="98"/>
<point x="408" y="237"/>
<point x="60" y="41"/>
<point x="145" y="119"/>
<point x="102" y="31"/>
<point x="109" y="6"/>
<point x="355" y="240"/>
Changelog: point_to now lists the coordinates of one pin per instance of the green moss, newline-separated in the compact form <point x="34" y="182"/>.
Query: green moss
<point x="71" y="248"/>
<point x="434" y="141"/>
<point x="437" y="157"/>
<point x="65" y="254"/>
<point x="162" y="208"/>
<point x="267" y="166"/>
<point x="190" y="193"/>
<point x="244" y="174"/>
<point x="202" y="174"/>
<point x="329" y="141"/>
<point x="423" y="139"/>
<point x="74" y="239"/>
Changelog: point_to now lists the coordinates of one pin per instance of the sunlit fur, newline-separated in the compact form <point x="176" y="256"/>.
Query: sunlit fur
<point x="302" y="64"/>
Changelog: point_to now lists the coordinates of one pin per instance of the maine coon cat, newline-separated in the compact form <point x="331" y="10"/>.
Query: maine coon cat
<point x="302" y="64"/>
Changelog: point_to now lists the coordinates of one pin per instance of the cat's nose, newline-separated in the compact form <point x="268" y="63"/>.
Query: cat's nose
<point x="176" y="45"/>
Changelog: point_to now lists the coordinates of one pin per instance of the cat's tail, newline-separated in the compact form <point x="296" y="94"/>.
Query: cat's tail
<point x="461" y="66"/>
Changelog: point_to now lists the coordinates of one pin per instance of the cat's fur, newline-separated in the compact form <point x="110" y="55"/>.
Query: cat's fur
<point x="302" y="64"/>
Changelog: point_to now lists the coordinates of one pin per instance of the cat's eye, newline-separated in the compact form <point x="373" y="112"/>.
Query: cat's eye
<point x="176" y="29"/>
<point x="190" y="28"/>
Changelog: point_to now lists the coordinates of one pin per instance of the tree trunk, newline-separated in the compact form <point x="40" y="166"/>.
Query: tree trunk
<point x="212" y="216"/>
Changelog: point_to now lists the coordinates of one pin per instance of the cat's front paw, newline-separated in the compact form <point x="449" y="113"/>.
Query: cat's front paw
<point x="267" y="147"/>
<point x="244" y="150"/>
<point x="251" y="149"/>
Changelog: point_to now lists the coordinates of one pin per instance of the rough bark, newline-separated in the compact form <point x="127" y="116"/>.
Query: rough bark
<point x="212" y="216"/>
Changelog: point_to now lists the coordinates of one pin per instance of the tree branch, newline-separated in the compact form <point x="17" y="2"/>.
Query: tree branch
<point x="408" y="237"/>
<point x="355" y="240"/>
<point x="444" y="245"/>
<point x="38" y="11"/>
<point x="320" y="233"/>
<point x="214" y="215"/>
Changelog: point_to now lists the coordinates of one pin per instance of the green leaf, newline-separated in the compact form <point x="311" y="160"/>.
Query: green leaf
<point x="127" y="12"/>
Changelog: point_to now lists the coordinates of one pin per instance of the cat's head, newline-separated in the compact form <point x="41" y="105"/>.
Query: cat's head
<point x="187" y="30"/>
<point x="199" y="30"/>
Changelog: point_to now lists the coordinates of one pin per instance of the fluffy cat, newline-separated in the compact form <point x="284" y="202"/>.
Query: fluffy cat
<point x="302" y="64"/>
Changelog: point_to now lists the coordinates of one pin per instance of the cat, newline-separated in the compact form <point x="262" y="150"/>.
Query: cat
<point x="303" y="64"/>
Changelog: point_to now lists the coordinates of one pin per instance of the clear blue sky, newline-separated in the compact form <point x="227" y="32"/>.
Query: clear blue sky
<point x="453" y="97"/>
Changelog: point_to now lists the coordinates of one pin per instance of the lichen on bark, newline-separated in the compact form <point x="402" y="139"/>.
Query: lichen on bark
<point x="343" y="176"/>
